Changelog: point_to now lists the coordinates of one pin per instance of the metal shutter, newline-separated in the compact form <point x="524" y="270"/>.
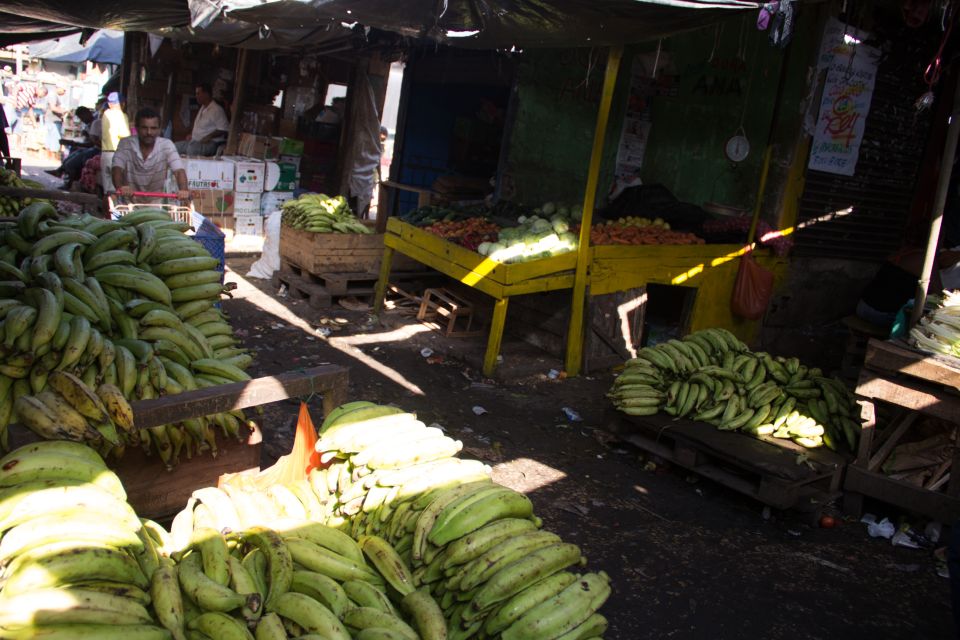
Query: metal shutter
<point x="881" y="192"/>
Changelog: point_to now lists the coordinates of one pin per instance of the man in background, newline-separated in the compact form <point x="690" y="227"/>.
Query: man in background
<point x="210" y="128"/>
<point x="141" y="163"/>
<point x="115" y="127"/>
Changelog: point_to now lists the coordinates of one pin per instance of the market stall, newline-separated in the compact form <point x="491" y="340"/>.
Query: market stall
<point x="920" y="386"/>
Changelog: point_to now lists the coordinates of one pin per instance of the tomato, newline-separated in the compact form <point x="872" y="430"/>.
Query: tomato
<point x="828" y="522"/>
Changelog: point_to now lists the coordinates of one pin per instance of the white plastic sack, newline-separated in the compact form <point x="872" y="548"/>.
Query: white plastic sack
<point x="270" y="256"/>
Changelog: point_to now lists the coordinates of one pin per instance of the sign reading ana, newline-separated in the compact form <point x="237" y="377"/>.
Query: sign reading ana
<point x="851" y="71"/>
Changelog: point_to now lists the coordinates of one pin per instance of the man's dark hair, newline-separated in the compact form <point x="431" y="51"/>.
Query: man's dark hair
<point x="83" y="112"/>
<point x="145" y="113"/>
<point x="205" y="86"/>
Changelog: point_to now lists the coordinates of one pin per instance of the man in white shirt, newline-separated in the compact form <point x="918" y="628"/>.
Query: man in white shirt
<point x="141" y="162"/>
<point x="210" y="128"/>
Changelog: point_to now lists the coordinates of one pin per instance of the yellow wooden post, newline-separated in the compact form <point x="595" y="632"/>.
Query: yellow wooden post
<point x="384" y="279"/>
<point x="575" y="333"/>
<point x="495" y="337"/>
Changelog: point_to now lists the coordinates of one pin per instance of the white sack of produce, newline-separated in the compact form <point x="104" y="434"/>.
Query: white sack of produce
<point x="270" y="256"/>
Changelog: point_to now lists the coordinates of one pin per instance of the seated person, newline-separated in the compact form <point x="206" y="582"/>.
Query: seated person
<point x="210" y="128"/>
<point x="895" y="284"/>
<point x="72" y="165"/>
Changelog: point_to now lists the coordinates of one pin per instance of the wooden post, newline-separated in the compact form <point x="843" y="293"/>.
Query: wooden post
<point x="496" y="336"/>
<point x="239" y="96"/>
<point x="575" y="334"/>
<point x="940" y="200"/>
<point x="169" y="100"/>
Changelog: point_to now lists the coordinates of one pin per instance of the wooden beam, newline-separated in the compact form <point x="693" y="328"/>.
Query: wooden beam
<point x="574" y="357"/>
<point x="925" y="398"/>
<point x="53" y="194"/>
<point x="329" y="381"/>
<point x="901" y="494"/>
<point x="239" y="97"/>
<point x="892" y="440"/>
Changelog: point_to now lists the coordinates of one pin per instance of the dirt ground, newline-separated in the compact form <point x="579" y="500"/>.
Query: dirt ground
<point x="688" y="558"/>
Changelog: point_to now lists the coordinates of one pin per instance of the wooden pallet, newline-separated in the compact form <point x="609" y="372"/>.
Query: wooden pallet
<point x="764" y="470"/>
<point x="322" y="288"/>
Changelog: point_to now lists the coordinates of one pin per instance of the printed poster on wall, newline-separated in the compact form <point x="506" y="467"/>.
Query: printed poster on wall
<point x="636" y="121"/>
<point x="851" y="72"/>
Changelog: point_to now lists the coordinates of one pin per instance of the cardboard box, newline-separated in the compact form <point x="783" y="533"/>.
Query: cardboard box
<point x="206" y="173"/>
<point x="271" y="201"/>
<point x="222" y="222"/>
<point x="259" y="147"/>
<point x="281" y="176"/>
<point x="248" y="175"/>
<point x="290" y="147"/>
<point x="294" y="160"/>
<point x="246" y="204"/>
<point x="212" y="202"/>
<point x="248" y="225"/>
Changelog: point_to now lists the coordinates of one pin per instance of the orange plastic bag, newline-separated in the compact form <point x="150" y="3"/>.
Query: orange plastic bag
<point x="752" y="290"/>
<point x="293" y="466"/>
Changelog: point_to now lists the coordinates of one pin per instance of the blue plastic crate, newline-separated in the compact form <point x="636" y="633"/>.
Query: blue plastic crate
<point x="212" y="240"/>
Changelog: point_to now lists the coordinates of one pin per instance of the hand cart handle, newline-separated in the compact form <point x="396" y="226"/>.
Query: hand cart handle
<point x="152" y="194"/>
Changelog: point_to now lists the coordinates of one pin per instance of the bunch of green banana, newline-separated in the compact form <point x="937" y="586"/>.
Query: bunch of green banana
<point x="711" y="376"/>
<point x="10" y="205"/>
<point x="77" y="561"/>
<point x="127" y="308"/>
<point x="319" y="213"/>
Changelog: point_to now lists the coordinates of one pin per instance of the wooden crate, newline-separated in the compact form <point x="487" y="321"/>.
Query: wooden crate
<point x="763" y="469"/>
<point x="337" y="252"/>
<point x="157" y="493"/>
<point x="915" y="383"/>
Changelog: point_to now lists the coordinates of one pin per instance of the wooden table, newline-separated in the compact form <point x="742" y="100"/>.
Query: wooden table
<point x="155" y="493"/>
<point x="919" y="384"/>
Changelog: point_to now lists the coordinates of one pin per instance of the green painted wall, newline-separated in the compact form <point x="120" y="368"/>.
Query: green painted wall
<point x="723" y="75"/>
<point x="558" y="94"/>
<point x="710" y="79"/>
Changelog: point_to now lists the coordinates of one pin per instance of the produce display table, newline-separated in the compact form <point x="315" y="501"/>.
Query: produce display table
<point x="766" y="469"/>
<point x="157" y="494"/>
<point x="921" y="384"/>
<point x="498" y="280"/>
<point x="709" y="269"/>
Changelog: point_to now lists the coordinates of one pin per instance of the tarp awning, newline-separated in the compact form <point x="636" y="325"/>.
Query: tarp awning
<point x="491" y="24"/>
<point x="15" y="29"/>
<point x="495" y="24"/>
<point x="104" y="46"/>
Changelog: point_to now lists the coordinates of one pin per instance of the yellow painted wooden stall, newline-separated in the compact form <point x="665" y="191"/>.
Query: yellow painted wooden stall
<point x="710" y="269"/>
<point x="589" y="271"/>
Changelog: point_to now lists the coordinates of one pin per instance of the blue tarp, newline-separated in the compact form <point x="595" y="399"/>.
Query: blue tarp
<point x="104" y="46"/>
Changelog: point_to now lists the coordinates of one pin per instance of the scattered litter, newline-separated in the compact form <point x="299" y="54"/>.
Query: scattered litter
<point x="553" y="374"/>
<point x="435" y="360"/>
<point x="572" y="415"/>
<point x="480" y="385"/>
<point x="796" y="534"/>
<point x="463" y="430"/>
<point x="823" y="562"/>
<point x="311" y="338"/>
<point x="282" y="293"/>
<point x="904" y="539"/>
<point x="933" y="531"/>
<point x="699" y="492"/>
<point x="765" y="514"/>
<point x="277" y="325"/>
<point x="692" y="479"/>
<point x="599" y="456"/>
<point x="882" y="529"/>
<point x="499" y="358"/>
<point x="479" y="411"/>
<point x="323" y="331"/>
<point x="905" y="568"/>
<point x="651" y="466"/>
<point x="577" y="509"/>
<point x="437" y="425"/>
<point x="426" y="352"/>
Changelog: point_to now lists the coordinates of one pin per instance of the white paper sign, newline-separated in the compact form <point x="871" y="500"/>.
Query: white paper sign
<point x="851" y="71"/>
